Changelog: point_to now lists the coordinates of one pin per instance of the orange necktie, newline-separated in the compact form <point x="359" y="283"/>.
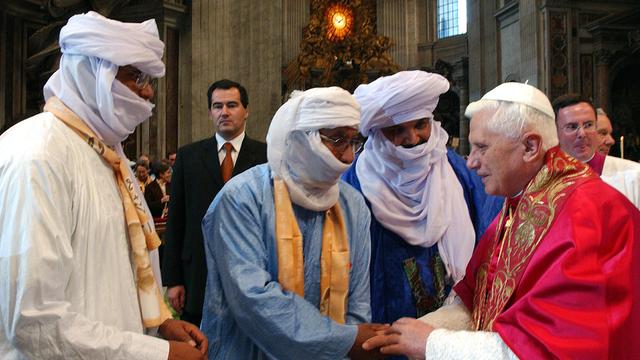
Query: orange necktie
<point x="227" y="164"/>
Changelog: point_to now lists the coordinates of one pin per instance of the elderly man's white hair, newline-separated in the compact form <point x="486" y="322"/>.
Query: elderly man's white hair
<point x="518" y="108"/>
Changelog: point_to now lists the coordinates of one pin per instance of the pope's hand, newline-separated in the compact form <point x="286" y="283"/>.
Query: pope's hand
<point x="405" y="337"/>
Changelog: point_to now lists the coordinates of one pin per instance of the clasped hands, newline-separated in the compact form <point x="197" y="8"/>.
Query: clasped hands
<point x="405" y="336"/>
<point x="186" y="341"/>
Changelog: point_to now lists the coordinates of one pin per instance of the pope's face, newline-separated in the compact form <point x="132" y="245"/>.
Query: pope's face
<point x="496" y="158"/>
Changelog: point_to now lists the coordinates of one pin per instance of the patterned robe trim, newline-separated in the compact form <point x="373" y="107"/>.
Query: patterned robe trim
<point x="142" y="237"/>
<point x="424" y="302"/>
<point x="541" y="202"/>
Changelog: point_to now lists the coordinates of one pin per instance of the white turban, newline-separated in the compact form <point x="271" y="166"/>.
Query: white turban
<point x="413" y="192"/>
<point x="295" y="151"/>
<point x="93" y="47"/>
<point x="402" y="97"/>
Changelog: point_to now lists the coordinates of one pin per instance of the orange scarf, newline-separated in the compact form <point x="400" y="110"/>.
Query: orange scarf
<point x="335" y="261"/>
<point x="141" y="237"/>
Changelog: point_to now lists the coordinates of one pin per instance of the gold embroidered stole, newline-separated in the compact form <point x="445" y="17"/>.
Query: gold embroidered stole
<point x="141" y="237"/>
<point x="541" y="201"/>
<point x="334" y="262"/>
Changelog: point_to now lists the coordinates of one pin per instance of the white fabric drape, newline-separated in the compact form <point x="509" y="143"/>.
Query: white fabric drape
<point x="401" y="97"/>
<point x="93" y="47"/>
<point x="68" y="289"/>
<point x="415" y="193"/>
<point x="624" y="175"/>
<point x="295" y="151"/>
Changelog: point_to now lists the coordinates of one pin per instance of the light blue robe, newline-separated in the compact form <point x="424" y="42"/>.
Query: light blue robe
<point x="246" y="314"/>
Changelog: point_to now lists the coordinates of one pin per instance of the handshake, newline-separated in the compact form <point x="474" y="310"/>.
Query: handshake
<point x="405" y="336"/>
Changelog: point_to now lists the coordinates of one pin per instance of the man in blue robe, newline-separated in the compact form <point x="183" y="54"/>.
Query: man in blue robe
<point x="428" y="208"/>
<point x="287" y="243"/>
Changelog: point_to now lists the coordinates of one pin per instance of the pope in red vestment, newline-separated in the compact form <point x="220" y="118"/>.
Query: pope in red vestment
<point x="557" y="274"/>
<point x="567" y="287"/>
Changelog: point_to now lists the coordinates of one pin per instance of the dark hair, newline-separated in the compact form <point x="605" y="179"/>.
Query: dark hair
<point x="170" y="153"/>
<point x="160" y="168"/>
<point x="565" y="100"/>
<point x="226" y="84"/>
<point x="141" y="163"/>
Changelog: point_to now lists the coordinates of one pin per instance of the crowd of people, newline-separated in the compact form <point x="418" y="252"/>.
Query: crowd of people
<point x="353" y="232"/>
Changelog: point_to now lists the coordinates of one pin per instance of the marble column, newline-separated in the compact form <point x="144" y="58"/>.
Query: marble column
<point x="461" y="78"/>
<point x="603" y="60"/>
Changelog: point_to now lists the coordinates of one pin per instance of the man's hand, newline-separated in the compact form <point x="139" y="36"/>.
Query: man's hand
<point x="176" y="297"/>
<point x="182" y="351"/>
<point x="182" y="331"/>
<point x="405" y="337"/>
<point x="366" y="331"/>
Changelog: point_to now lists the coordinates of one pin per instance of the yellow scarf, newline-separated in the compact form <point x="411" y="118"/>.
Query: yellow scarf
<point x="335" y="261"/>
<point x="141" y="237"/>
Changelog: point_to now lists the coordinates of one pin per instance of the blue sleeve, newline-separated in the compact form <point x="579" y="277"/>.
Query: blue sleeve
<point x="483" y="208"/>
<point x="350" y="176"/>
<point x="359" y="309"/>
<point x="282" y="324"/>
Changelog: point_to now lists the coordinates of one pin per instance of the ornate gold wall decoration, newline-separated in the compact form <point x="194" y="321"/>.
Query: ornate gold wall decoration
<point x="340" y="46"/>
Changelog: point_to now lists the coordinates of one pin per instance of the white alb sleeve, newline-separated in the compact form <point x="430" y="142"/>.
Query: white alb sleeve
<point x="445" y="344"/>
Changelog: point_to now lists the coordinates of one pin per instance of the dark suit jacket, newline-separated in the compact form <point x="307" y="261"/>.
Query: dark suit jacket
<point x="195" y="182"/>
<point x="153" y="196"/>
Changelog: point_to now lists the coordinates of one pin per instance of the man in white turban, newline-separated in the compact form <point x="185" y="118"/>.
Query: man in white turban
<point x="422" y="229"/>
<point x="287" y="242"/>
<point x="557" y="273"/>
<point x="78" y="251"/>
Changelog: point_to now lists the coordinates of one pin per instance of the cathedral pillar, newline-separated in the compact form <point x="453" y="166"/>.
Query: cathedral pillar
<point x="603" y="60"/>
<point x="461" y="79"/>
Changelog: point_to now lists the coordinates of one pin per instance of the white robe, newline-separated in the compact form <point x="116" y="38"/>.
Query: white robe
<point x="624" y="175"/>
<point x="67" y="288"/>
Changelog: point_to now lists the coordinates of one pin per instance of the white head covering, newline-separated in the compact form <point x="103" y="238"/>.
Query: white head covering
<point x="413" y="192"/>
<point x="517" y="93"/>
<point x="295" y="151"/>
<point x="402" y="97"/>
<point x="93" y="47"/>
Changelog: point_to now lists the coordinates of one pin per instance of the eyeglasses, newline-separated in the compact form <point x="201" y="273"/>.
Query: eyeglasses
<point x="341" y="144"/>
<point x="142" y="79"/>
<point x="573" y="127"/>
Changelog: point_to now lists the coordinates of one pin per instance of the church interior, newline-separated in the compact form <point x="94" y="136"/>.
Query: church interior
<point x="274" y="47"/>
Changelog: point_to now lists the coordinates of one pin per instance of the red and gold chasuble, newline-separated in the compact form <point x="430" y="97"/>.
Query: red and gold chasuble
<point x="557" y="274"/>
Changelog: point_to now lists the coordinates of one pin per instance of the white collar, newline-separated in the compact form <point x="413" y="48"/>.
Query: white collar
<point x="236" y="142"/>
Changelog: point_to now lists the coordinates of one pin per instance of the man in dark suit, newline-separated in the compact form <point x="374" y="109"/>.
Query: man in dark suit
<point x="200" y="171"/>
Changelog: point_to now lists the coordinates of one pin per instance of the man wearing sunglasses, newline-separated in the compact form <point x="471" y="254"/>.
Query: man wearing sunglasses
<point x="78" y="251"/>
<point x="422" y="230"/>
<point x="287" y="242"/>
